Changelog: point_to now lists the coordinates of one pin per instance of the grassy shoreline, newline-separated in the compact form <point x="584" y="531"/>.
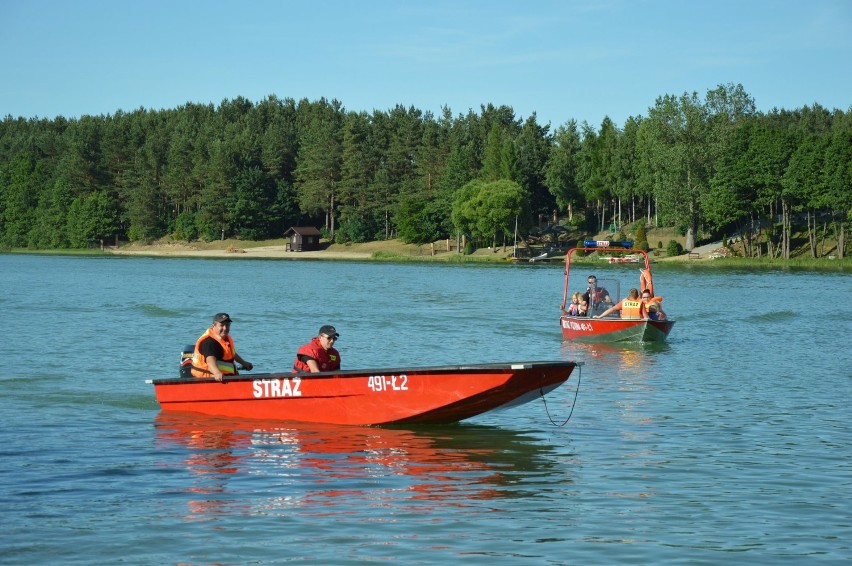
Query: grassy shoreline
<point x="398" y="252"/>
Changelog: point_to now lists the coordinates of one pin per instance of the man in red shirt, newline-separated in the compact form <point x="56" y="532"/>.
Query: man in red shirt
<point x="319" y="354"/>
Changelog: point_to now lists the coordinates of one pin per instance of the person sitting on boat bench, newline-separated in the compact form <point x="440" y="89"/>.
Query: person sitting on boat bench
<point x="215" y="355"/>
<point x="631" y="307"/>
<point x="595" y="295"/>
<point x="574" y="307"/>
<point x="655" y="311"/>
<point x="319" y="354"/>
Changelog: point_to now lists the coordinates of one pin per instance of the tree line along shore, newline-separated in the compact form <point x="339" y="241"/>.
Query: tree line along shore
<point x="774" y="185"/>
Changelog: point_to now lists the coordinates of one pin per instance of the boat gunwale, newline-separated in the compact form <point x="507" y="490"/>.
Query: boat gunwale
<point x="611" y="319"/>
<point x="618" y="329"/>
<point x="360" y="373"/>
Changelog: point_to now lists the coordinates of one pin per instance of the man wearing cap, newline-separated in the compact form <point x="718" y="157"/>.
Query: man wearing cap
<point x="595" y="295"/>
<point x="319" y="354"/>
<point x="215" y="355"/>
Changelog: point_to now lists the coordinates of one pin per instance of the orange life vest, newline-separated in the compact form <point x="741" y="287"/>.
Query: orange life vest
<point x="632" y="309"/>
<point x="226" y="365"/>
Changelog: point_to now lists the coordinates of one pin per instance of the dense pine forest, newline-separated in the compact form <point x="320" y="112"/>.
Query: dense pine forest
<point x="711" y="167"/>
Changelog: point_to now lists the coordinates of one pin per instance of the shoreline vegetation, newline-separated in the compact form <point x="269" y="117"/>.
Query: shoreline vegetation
<point x="711" y="167"/>
<point x="397" y="251"/>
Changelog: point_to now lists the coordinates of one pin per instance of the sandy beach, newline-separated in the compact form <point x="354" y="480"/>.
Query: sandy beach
<point x="278" y="249"/>
<point x="232" y="252"/>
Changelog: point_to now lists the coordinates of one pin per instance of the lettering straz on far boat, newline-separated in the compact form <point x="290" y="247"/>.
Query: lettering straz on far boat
<point x="388" y="382"/>
<point x="277" y="387"/>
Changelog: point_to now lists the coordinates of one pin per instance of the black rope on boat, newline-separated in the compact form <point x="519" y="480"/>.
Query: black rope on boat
<point x="573" y="404"/>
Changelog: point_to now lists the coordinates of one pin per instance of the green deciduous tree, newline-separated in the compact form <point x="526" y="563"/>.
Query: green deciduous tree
<point x="487" y="210"/>
<point x="680" y="153"/>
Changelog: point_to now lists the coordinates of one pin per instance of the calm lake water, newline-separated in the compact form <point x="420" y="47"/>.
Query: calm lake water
<point x="729" y="444"/>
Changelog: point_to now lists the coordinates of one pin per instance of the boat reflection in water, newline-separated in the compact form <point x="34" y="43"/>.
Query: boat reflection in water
<point x="260" y="467"/>
<point x="630" y="354"/>
<point x="632" y="371"/>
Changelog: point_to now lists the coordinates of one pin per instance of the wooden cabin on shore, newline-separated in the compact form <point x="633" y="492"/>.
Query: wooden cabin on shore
<point x="302" y="239"/>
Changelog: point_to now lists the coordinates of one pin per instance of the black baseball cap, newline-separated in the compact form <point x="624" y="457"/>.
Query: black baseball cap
<point x="329" y="330"/>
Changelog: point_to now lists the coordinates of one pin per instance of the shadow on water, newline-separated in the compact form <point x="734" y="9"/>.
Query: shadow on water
<point x="154" y="311"/>
<point x="773" y="316"/>
<point x="340" y="466"/>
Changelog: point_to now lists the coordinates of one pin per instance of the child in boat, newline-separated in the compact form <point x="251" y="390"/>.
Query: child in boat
<point x="655" y="311"/>
<point x="584" y="308"/>
<point x="574" y="307"/>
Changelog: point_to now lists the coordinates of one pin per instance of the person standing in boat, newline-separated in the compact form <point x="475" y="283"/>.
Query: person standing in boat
<point x="595" y="295"/>
<point x="319" y="354"/>
<point x="215" y="355"/>
<point x="631" y="307"/>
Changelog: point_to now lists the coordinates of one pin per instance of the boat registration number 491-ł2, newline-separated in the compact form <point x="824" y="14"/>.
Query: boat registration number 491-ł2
<point x="388" y="382"/>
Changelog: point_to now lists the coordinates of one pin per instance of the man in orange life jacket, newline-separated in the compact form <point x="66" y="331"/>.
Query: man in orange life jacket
<point x="319" y="354"/>
<point x="631" y="307"/>
<point x="215" y="355"/>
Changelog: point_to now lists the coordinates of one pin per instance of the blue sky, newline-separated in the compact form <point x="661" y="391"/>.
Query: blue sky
<point x="563" y="60"/>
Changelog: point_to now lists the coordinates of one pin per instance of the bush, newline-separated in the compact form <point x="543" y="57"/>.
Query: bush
<point x="674" y="248"/>
<point x="641" y="238"/>
<point x="354" y="230"/>
<point x="185" y="227"/>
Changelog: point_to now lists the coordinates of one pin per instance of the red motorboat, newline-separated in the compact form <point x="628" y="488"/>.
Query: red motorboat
<point x="612" y="328"/>
<point x="441" y="394"/>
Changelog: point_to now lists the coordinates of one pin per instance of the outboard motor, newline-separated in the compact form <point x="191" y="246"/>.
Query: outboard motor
<point x="186" y="361"/>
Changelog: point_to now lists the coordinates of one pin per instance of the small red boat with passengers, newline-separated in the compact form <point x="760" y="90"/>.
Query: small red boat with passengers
<point x="442" y="394"/>
<point x="586" y="328"/>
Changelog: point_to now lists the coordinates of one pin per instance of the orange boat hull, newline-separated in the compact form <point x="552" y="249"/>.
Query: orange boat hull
<point x="441" y="394"/>
<point x="585" y="329"/>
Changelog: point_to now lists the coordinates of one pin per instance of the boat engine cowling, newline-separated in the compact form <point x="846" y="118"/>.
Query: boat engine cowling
<point x="186" y="360"/>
